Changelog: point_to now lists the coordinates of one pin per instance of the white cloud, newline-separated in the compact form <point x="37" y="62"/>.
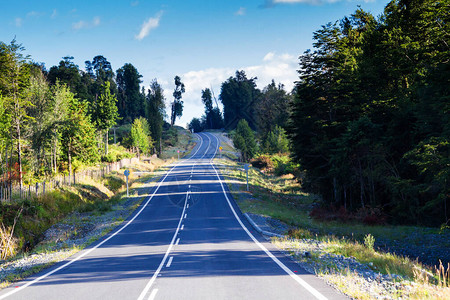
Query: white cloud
<point x="269" y="56"/>
<point x="96" y="21"/>
<point x="18" y="22"/>
<point x="281" y="68"/>
<point x="34" y="14"/>
<point x="86" y="24"/>
<point x="135" y="3"/>
<point x="54" y="14"/>
<point x="240" y="12"/>
<point x="149" y="25"/>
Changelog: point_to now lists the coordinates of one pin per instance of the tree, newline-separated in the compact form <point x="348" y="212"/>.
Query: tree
<point x="244" y="140"/>
<point x="78" y="133"/>
<point x="40" y="96"/>
<point x="273" y="108"/>
<point x="105" y="112"/>
<point x="195" y="125"/>
<point x="276" y="141"/>
<point x="177" y="104"/>
<point x="14" y="79"/>
<point x="370" y="115"/>
<point x="213" y="117"/>
<point x="140" y="136"/>
<point x="156" y="111"/>
<point x="239" y="97"/>
<point x="130" y="99"/>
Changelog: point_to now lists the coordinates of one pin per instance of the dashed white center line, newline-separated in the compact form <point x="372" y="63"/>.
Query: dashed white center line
<point x="178" y="240"/>
<point x="169" y="262"/>
<point x="187" y="206"/>
<point x="153" y="294"/>
<point x="185" y="215"/>
<point x="182" y="227"/>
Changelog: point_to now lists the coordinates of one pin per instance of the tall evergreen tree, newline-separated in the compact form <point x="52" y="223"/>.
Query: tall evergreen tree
<point x="130" y="100"/>
<point x="156" y="111"/>
<point x="239" y="97"/>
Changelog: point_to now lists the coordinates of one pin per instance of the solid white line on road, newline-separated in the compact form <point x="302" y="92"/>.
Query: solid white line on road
<point x="178" y="240"/>
<point x="102" y="242"/>
<point x="303" y="283"/>
<point x="169" y="262"/>
<point x="182" y="227"/>
<point x="153" y="294"/>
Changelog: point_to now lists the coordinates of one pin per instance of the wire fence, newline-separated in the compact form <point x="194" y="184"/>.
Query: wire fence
<point x="8" y="190"/>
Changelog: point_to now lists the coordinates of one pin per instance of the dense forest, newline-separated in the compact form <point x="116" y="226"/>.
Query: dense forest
<point x="370" y="122"/>
<point x="369" y="116"/>
<point x="53" y="121"/>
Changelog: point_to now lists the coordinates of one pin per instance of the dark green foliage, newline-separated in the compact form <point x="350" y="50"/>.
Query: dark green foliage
<point x="276" y="141"/>
<point x="272" y="109"/>
<point x="130" y="99"/>
<point x="212" y="119"/>
<point x="169" y="135"/>
<point x="196" y="125"/>
<point x="239" y="97"/>
<point x="69" y="74"/>
<point x="370" y="119"/>
<point x="244" y="140"/>
<point x="156" y="111"/>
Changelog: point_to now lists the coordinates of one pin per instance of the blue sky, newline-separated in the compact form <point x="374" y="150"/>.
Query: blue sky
<point x="204" y="42"/>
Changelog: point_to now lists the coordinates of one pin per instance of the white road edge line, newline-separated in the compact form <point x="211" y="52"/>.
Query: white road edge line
<point x="155" y="275"/>
<point x="303" y="283"/>
<point x="153" y="294"/>
<point x="169" y="262"/>
<point x="101" y="243"/>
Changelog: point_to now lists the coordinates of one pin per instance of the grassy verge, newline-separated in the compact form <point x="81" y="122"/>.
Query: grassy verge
<point x="281" y="198"/>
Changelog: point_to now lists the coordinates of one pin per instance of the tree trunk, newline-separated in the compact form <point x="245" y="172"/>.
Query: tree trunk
<point x="19" y="158"/>
<point x="69" y="156"/>
<point x="106" y="142"/>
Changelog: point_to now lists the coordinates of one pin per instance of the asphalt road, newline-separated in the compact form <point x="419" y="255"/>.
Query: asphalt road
<point x="187" y="241"/>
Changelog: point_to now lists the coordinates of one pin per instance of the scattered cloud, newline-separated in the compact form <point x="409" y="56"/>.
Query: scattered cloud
<point x="34" y="14"/>
<point x="86" y="24"/>
<point x="269" y="56"/>
<point x="134" y="3"/>
<point x="54" y="14"/>
<point x="148" y="26"/>
<point x="241" y="11"/>
<point x="18" y="22"/>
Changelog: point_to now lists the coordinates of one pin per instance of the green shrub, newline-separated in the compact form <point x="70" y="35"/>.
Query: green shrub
<point x="283" y="164"/>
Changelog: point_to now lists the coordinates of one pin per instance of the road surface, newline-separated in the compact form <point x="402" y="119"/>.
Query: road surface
<point x="188" y="240"/>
